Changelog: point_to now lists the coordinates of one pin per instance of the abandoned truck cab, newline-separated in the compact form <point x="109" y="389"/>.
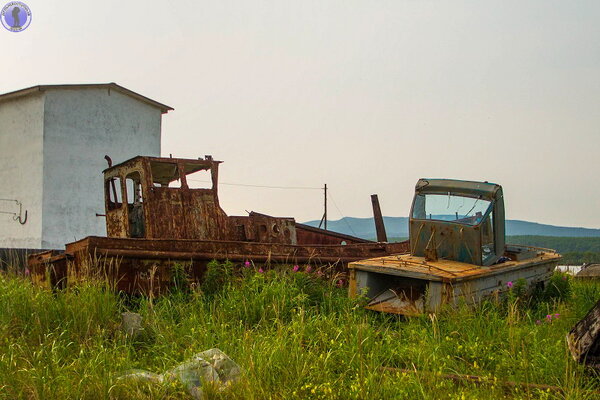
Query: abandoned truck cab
<point x="457" y="220"/>
<point x="457" y="253"/>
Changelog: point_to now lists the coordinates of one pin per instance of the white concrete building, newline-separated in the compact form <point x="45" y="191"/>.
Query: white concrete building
<point x="53" y="139"/>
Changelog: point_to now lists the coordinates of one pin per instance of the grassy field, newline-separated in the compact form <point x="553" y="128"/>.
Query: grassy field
<point x="295" y="334"/>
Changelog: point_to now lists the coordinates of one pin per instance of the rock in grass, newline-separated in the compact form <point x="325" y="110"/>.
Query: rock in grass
<point x="208" y="367"/>
<point x="131" y="323"/>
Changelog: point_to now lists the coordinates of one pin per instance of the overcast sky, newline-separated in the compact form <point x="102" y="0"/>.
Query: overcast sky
<point x="366" y="96"/>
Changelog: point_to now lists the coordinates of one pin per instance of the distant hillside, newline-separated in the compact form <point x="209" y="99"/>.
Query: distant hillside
<point x="560" y="244"/>
<point x="575" y="250"/>
<point x="398" y="227"/>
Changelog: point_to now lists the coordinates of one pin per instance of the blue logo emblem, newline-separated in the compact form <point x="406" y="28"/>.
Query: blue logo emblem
<point x="15" y="16"/>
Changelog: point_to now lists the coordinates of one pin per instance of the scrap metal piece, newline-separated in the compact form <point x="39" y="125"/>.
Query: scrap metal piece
<point x="379" y="225"/>
<point x="584" y="339"/>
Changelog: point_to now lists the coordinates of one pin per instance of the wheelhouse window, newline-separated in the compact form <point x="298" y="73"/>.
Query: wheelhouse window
<point x="450" y="207"/>
<point x="133" y="184"/>
<point x="135" y="205"/>
<point x="165" y="174"/>
<point x="197" y="176"/>
<point x="112" y="189"/>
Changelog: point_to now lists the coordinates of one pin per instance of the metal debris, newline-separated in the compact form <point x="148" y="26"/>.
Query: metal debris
<point x="584" y="339"/>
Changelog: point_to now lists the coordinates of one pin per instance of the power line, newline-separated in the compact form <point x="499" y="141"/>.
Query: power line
<point x="261" y="186"/>
<point x="283" y="187"/>
<point x="342" y="214"/>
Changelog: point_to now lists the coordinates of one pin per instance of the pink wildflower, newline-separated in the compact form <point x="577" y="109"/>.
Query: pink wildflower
<point x="538" y="322"/>
<point x="309" y="269"/>
<point x="296" y="268"/>
<point x="247" y="264"/>
<point x="340" y="283"/>
<point x="260" y="271"/>
<point x="549" y="317"/>
<point x="27" y="272"/>
<point x="556" y="315"/>
<point x="509" y="284"/>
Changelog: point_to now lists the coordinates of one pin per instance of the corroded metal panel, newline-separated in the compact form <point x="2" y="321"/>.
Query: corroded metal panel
<point x="445" y="241"/>
<point x="203" y="218"/>
<point x="263" y="229"/>
<point x="49" y="268"/>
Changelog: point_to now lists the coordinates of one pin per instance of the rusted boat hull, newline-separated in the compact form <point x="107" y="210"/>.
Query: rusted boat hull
<point x="410" y="285"/>
<point x="147" y="265"/>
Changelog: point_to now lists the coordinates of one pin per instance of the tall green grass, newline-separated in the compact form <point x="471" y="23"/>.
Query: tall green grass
<point x="296" y="335"/>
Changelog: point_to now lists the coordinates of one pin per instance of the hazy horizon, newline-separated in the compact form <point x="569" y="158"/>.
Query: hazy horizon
<point x="405" y="216"/>
<point x="367" y="97"/>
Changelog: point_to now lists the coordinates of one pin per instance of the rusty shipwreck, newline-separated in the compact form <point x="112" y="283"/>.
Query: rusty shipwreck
<point x="155" y="220"/>
<point x="457" y="253"/>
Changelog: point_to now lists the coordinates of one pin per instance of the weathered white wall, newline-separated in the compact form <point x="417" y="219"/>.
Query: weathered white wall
<point x="21" y="139"/>
<point x="81" y="126"/>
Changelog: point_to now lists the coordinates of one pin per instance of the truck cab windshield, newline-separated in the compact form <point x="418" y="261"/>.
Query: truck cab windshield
<point x="451" y="208"/>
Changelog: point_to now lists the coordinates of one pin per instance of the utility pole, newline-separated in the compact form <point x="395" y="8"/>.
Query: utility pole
<point x="325" y="193"/>
<point x="324" y="219"/>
